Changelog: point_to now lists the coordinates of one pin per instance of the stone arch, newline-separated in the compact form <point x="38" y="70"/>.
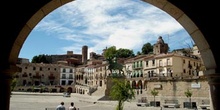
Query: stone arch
<point x="70" y="89"/>
<point x="133" y="84"/>
<point x="139" y="84"/>
<point x="175" y="12"/>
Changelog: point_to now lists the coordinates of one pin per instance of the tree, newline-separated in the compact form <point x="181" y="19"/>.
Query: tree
<point x="138" y="53"/>
<point x="124" y="53"/>
<point x="41" y="58"/>
<point x="154" y="93"/>
<point x="110" y="52"/>
<point x="114" y="67"/>
<point x="188" y="94"/>
<point x="121" y="91"/>
<point x="13" y="83"/>
<point x="147" y="48"/>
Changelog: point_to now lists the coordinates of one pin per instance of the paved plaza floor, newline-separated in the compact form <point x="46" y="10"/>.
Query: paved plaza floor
<point x="41" y="101"/>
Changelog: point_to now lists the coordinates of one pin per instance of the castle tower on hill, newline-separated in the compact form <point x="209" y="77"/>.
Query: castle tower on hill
<point x="84" y="54"/>
<point x="160" y="47"/>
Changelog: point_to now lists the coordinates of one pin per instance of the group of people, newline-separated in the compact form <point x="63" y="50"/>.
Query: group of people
<point x="62" y="107"/>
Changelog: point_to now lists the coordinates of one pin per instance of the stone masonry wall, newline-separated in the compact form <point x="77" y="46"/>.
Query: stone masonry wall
<point x="176" y="89"/>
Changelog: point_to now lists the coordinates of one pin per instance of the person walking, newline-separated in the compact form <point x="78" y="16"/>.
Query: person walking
<point x="72" y="107"/>
<point x="61" y="106"/>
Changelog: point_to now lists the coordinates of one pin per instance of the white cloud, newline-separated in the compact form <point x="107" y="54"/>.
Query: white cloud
<point x="101" y="23"/>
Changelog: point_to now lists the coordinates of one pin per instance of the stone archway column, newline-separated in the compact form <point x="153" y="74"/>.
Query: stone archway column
<point x="214" y="83"/>
<point x="5" y="81"/>
<point x="5" y="85"/>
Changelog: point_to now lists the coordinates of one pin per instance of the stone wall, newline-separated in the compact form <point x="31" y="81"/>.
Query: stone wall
<point x="175" y="90"/>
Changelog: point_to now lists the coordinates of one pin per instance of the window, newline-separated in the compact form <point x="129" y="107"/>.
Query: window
<point x="133" y="65"/>
<point x="153" y="62"/>
<point x="71" y="70"/>
<point x="168" y="62"/>
<point x="64" y="70"/>
<point x="160" y="63"/>
<point x="63" y="76"/>
<point x="146" y="63"/>
<point x="70" y="82"/>
<point x="70" y="76"/>
<point x="63" y="82"/>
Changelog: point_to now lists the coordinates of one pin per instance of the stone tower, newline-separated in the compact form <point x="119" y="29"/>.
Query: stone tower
<point x="160" y="47"/>
<point x="84" y="54"/>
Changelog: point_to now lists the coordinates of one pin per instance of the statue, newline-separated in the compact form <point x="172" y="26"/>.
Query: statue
<point x="115" y="67"/>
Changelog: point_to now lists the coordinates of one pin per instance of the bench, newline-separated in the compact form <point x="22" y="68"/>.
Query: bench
<point x="171" y="104"/>
<point x="205" y="104"/>
<point x="143" y="102"/>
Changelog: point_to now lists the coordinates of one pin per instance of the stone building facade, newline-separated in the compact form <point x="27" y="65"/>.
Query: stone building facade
<point x="45" y="77"/>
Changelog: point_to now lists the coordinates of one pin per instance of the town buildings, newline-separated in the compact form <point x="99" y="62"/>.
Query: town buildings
<point x="164" y="71"/>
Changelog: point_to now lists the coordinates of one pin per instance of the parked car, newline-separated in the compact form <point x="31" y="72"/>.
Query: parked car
<point x="66" y="94"/>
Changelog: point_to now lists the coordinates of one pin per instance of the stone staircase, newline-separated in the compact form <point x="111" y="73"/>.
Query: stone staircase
<point x="99" y="92"/>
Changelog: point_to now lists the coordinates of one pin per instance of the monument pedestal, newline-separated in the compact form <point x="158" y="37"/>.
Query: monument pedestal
<point x="110" y="83"/>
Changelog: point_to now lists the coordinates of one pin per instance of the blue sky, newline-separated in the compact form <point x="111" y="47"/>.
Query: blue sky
<point x="103" y="23"/>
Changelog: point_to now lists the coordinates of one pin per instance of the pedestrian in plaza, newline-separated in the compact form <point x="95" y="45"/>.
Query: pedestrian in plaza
<point x="72" y="107"/>
<point x="61" y="106"/>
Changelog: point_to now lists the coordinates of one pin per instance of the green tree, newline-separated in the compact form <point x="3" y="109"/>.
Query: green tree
<point x="138" y="53"/>
<point x="188" y="94"/>
<point x="13" y="83"/>
<point x="121" y="91"/>
<point x="154" y="93"/>
<point x="147" y="48"/>
<point x="114" y="67"/>
<point x="42" y="58"/>
<point x="124" y="53"/>
<point x="110" y="52"/>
